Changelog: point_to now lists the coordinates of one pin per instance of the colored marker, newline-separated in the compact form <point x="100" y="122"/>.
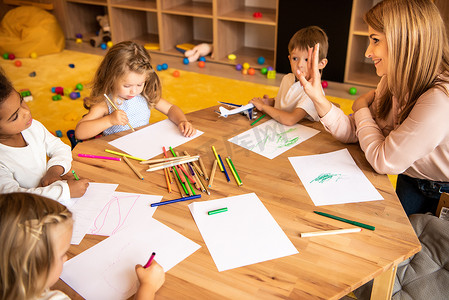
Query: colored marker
<point x="224" y="169"/>
<point x="176" y="200"/>
<point x="99" y="157"/>
<point x="123" y="154"/>
<point x="346" y="220"/>
<point x="260" y="118"/>
<point x="150" y="260"/>
<point x="217" y="211"/>
<point x="74" y="175"/>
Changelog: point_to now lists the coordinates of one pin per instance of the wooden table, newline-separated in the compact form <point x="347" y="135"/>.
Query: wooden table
<point x="326" y="267"/>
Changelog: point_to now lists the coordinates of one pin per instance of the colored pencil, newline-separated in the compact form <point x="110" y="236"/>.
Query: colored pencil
<point x="346" y="220"/>
<point x="233" y="172"/>
<point x="328" y="232"/>
<point x="168" y="164"/>
<point x="116" y="108"/>
<point x="258" y="119"/>
<point x="212" y="174"/>
<point x="216" y="157"/>
<point x="203" y="185"/>
<point x="195" y="164"/>
<point x="99" y="157"/>
<point x="178" y="184"/>
<point x="132" y="168"/>
<point x="203" y="168"/>
<point x="217" y="211"/>
<point x="224" y="169"/>
<point x="176" y="200"/>
<point x="123" y="154"/>
<point x="167" y="180"/>
<point x="150" y="260"/>
<point x="74" y="175"/>
<point x="162" y="160"/>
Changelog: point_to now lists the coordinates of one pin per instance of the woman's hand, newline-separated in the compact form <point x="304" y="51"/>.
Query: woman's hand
<point x="186" y="128"/>
<point x="363" y="101"/>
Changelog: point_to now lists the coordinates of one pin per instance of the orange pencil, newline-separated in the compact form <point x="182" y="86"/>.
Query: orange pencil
<point x="167" y="180"/>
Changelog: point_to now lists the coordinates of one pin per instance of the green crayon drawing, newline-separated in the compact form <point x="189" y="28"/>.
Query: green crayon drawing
<point x="281" y="140"/>
<point x="326" y="177"/>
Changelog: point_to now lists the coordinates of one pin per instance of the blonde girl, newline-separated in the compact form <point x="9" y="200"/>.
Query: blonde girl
<point x="402" y="125"/>
<point x="35" y="234"/>
<point x="128" y="78"/>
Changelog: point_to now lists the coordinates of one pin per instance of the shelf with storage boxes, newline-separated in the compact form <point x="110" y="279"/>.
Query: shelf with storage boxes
<point x="359" y="69"/>
<point x="229" y="25"/>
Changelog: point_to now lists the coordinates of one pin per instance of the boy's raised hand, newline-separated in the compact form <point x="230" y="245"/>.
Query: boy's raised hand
<point x="118" y="117"/>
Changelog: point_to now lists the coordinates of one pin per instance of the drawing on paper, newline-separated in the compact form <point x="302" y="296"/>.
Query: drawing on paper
<point x="114" y="214"/>
<point x="275" y="141"/>
<point x="327" y="177"/>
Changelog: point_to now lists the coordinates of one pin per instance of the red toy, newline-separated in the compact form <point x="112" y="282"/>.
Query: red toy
<point x="251" y="71"/>
<point x="257" y="14"/>
<point x="324" y="84"/>
<point x="176" y="73"/>
<point x="201" y="64"/>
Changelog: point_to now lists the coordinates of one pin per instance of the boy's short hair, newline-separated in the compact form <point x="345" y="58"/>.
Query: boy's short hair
<point x="309" y="37"/>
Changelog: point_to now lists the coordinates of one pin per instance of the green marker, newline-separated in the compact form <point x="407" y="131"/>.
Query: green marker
<point x="346" y="220"/>
<point x="217" y="211"/>
<point x="260" y="118"/>
<point x="74" y="175"/>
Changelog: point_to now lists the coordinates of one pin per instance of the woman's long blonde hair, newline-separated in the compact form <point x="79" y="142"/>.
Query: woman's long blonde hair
<point x="27" y="250"/>
<point x="122" y="58"/>
<point x="417" y="51"/>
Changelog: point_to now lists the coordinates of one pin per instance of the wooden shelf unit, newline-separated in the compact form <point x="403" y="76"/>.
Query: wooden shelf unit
<point x="229" y="25"/>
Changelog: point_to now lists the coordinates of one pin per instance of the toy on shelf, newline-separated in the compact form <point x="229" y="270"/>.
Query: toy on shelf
<point x="271" y="74"/>
<point x="104" y="34"/>
<point x="238" y="67"/>
<point x="352" y="91"/>
<point x="232" y="56"/>
<point x="261" y="60"/>
<point x="184" y="47"/>
<point x="197" y="51"/>
<point x="257" y="14"/>
<point x="251" y="71"/>
<point x="324" y="84"/>
<point x="201" y="64"/>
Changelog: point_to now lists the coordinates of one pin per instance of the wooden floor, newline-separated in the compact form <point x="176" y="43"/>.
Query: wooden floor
<point x="334" y="89"/>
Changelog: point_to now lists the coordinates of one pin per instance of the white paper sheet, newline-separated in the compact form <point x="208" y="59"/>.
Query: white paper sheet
<point x="271" y="138"/>
<point x="147" y="142"/>
<point x="245" y="234"/>
<point x="122" y="210"/>
<point x="86" y="208"/>
<point x="334" y="178"/>
<point x="106" y="270"/>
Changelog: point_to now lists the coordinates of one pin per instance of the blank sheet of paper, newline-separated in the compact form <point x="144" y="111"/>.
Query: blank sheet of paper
<point x="334" y="178"/>
<point x="86" y="208"/>
<point x="271" y="138"/>
<point x="122" y="210"/>
<point x="106" y="270"/>
<point x="147" y="142"/>
<point x="245" y="234"/>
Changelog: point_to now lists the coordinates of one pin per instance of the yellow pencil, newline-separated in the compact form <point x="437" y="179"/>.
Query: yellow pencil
<point x="115" y="107"/>
<point x="216" y="157"/>
<point x="167" y="180"/>
<point x="123" y="155"/>
<point x="132" y="167"/>
<point x="233" y="172"/>
<point x="212" y="174"/>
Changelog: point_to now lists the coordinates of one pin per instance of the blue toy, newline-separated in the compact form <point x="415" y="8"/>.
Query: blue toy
<point x="58" y="133"/>
<point x="159" y="67"/>
<point x="238" y="67"/>
<point x="103" y="46"/>
<point x="261" y="60"/>
<point x="185" y="61"/>
<point x="164" y="66"/>
<point x="202" y="58"/>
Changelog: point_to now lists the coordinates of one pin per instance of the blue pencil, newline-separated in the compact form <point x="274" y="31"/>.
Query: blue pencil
<point x="175" y="200"/>
<point x="224" y="169"/>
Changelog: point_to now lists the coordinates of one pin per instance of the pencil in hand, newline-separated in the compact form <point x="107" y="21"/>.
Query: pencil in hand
<point x="116" y="108"/>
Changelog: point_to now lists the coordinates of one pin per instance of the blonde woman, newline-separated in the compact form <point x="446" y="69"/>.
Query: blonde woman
<point x="35" y="234"/>
<point x="402" y="125"/>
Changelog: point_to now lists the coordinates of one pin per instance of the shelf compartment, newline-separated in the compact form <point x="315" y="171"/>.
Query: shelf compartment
<point x="90" y="2"/>
<point x="357" y="17"/>
<point x="243" y="11"/>
<point x="85" y="22"/>
<point x="180" y="29"/>
<point x="247" y="41"/>
<point x="135" y="25"/>
<point x="360" y="69"/>
<point x="144" y="5"/>
<point x="188" y="8"/>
